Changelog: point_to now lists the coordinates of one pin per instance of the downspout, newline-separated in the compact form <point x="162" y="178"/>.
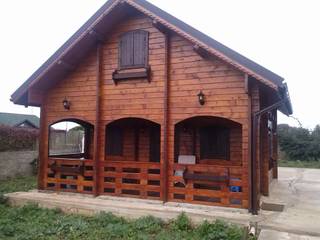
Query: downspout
<point x="255" y="123"/>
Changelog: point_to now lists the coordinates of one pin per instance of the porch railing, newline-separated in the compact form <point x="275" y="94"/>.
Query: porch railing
<point x="70" y="175"/>
<point x="206" y="184"/>
<point x="203" y="183"/>
<point x="131" y="179"/>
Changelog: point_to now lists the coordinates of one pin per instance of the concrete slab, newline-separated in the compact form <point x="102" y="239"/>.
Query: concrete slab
<point x="276" y="235"/>
<point x="299" y="190"/>
<point x="128" y="207"/>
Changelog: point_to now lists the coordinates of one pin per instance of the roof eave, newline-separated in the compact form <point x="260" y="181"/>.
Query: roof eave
<point x="142" y="6"/>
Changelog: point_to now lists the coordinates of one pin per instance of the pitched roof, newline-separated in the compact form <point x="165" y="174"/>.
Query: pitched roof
<point x="83" y="40"/>
<point x="15" y="119"/>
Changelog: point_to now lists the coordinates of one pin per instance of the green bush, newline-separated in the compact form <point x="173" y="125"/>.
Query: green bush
<point x="15" y="139"/>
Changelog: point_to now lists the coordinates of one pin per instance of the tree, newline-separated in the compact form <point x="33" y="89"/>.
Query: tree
<point x="299" y="143"/>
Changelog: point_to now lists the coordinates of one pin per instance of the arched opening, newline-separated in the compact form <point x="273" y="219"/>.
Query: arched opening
<point x="208" y="140"/>
<point x="132" y="153"/>
<point x="133" y="139"/>
<point x="207" y="161"/>
<point x="71" y="138"/>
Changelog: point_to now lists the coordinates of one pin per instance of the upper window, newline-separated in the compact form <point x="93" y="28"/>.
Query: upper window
<point x="214" y="143"/>
<point x="133" y="49"/>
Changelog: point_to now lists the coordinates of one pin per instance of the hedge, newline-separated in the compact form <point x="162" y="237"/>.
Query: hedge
<point x="15" y="139"/>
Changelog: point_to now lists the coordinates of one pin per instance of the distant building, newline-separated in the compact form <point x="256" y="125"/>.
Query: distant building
<point x="19" y="120"/>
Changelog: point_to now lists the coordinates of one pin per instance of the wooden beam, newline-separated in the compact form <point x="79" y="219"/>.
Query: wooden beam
<point x="96" y="144"/>
<point x="98" y="36"/>
<point x="275" y="147"/>
<point x="42" y="146"/>
<point x="246" y="83"/>
<point x="35" y="97"/>
<point x="201" y="52"/>
<point x="164" y="160"/>
<point x="160" y="27"/>
<point x="249" y="168"/>
<point x="67" y="66"/>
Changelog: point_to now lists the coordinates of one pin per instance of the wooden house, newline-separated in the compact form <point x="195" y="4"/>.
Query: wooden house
<point x="169" y="113"/>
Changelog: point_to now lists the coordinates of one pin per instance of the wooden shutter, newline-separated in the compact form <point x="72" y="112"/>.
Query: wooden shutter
<point x="154" y="147"/>
<point x="140" y="47"/>
<point x="114" y="141"/>
<point x="126" y="50"/>
<point x="133" y="49"/>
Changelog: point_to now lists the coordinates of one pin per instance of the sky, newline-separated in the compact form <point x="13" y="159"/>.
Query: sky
<point x="283" y="36"/>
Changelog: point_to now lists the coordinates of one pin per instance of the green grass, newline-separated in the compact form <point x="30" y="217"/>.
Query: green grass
<point x="33" y="223"/>
<point x="299" y="164"/>
<point x="19" y="184"/>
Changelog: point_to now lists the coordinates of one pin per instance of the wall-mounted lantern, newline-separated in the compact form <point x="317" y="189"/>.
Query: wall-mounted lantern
<point x="201" y="98"/>
<point x="66" y="103"/>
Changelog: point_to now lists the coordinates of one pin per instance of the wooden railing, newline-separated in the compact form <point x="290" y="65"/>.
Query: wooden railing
<point x="200" y="183"/>
<point x="70" y="175"/>
<point x="206" y="184"/>
<point x="131" y="179"/>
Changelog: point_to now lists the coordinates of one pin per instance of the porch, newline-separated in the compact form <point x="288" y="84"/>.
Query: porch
<point x="204" y="164"/>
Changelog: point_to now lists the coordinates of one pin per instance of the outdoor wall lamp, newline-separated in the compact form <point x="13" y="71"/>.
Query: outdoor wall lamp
<point x="66" y="103"/>
<point x="201" y="98"/>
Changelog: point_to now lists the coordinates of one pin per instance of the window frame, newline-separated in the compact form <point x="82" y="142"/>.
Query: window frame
<point x="146" y="53"/>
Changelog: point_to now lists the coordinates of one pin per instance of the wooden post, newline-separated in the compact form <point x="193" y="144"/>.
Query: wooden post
<point x="249" y="153"/>
<point x="275" y="148"/>
<point x="43" y="143"/>
<point x="164" y="169"/>
<point x="96" y="144"/>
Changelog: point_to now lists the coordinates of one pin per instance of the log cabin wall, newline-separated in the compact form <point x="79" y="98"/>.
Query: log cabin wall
<point x="79" y="88"/>
<point x="186" y="146"/>
<point x="224" y="89"/>
<point x="136" y="98"/>
<point x="225" y="97"/>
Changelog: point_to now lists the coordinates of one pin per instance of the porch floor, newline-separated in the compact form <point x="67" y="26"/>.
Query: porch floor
<point x="127" y="207"/>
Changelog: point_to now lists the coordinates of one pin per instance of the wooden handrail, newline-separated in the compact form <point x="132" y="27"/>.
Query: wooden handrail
<point x="79" y="169"/>
<point x="205" y="177"/>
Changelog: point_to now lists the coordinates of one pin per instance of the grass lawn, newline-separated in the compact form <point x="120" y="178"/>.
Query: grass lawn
<point x="19" y="184"/>
<point x="31" y="222"/>
<point x="299" y="164"/>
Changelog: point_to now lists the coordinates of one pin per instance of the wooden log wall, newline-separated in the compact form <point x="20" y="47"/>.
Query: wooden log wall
<point x="225" y="96"/>
<point x="186" y="141"/>
<point x="129" y="146"/>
